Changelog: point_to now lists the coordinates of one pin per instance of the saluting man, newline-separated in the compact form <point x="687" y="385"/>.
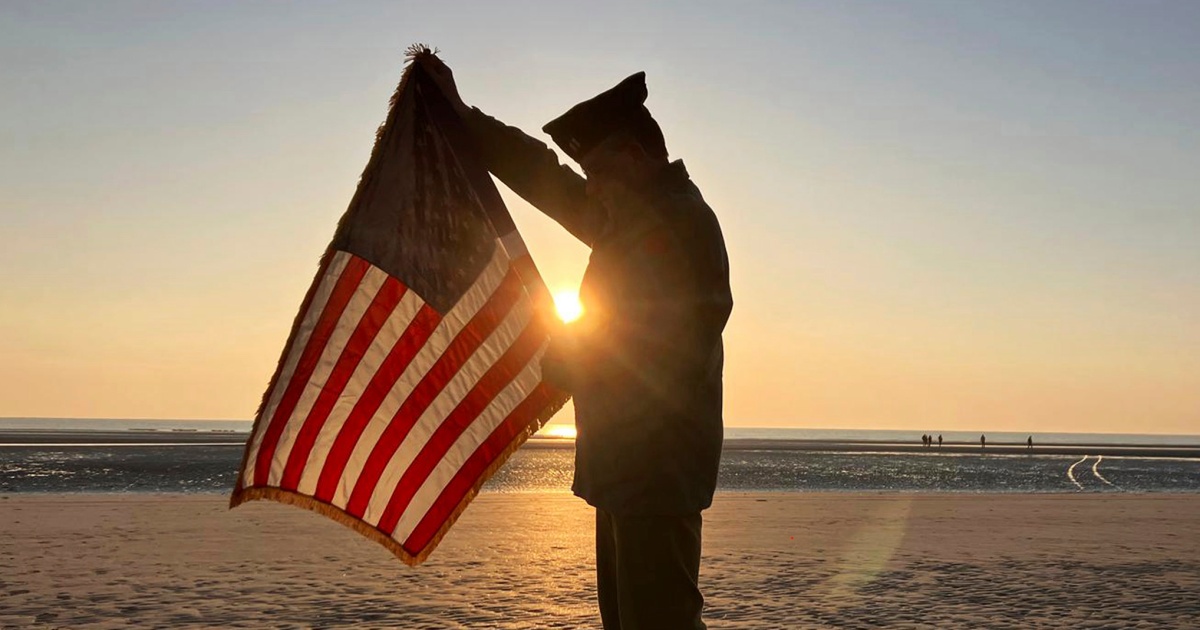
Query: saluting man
<point x="644" y="362"/>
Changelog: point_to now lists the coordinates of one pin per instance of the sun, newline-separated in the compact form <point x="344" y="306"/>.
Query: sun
<point x="568" y="306"/>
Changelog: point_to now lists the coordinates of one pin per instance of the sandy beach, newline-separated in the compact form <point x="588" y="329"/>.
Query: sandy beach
<point x="785" y="560"/>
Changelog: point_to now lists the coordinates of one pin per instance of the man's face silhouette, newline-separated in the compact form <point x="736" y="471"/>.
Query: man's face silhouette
<point x="616" y="166"/>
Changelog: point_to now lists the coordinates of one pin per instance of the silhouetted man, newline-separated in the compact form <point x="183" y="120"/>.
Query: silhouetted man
<point x="644" y="362"/>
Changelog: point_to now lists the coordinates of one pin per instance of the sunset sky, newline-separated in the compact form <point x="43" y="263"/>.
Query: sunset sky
<point x="939" y="215"/>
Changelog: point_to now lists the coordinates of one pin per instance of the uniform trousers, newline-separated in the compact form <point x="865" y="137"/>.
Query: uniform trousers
<point x="648" y="571"/>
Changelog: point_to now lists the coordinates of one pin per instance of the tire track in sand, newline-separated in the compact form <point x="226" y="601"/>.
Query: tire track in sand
<point x="1096" y="472"/>
<point x="1071" y="472"/>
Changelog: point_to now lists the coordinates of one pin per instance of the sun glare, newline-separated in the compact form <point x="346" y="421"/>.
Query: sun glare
<point x="568" y="306"/>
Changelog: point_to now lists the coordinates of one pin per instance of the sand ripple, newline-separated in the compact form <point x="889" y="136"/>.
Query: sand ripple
<point x="771" y="561"/>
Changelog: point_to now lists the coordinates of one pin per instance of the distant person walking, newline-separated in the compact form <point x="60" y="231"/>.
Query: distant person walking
<point x="939" y="440"/>
<point x="982" y="441"/>
<point x="1029" y="442"/>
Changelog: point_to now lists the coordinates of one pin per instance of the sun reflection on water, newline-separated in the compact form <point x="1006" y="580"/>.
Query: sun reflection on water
<point x="560" y="431"/>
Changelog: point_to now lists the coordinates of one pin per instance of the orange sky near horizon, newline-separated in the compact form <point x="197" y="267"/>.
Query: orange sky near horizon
<point x="939" y="217"/>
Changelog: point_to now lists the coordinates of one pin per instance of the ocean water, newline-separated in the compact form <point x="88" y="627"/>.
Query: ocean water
<point x="732" y="433"/>
<point x="154" y="460"/>
<point x="967" y="437"/>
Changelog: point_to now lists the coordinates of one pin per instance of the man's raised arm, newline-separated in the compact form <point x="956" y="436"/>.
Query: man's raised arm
<point x="524" y="164"/>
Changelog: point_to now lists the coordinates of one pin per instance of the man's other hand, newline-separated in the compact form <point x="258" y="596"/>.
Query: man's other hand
<point x="443" y="76"/>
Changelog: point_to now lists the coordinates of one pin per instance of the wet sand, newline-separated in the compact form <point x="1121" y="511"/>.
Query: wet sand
<point x="786" y="560"/>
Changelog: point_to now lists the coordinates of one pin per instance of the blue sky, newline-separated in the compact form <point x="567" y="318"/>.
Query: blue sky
<point x="939" y="214"/>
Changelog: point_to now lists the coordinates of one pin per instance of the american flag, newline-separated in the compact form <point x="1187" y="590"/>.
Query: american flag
<point x="412" y="369"/>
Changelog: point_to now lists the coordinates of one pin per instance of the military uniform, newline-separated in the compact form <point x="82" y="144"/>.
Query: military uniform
<point x="644" y="364"/>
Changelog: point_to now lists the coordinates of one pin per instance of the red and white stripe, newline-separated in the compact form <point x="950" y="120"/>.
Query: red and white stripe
<point x="391" y="411"/>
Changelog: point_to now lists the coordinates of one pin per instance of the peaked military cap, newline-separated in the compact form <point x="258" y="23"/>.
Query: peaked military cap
<point x="587" y="124"/>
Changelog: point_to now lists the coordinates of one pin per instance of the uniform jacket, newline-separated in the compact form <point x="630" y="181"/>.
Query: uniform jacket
<point x="644" y="363"/>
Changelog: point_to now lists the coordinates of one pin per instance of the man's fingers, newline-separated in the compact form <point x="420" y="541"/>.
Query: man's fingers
<point x="437" y="65"/>
<point x="443" y="77"/>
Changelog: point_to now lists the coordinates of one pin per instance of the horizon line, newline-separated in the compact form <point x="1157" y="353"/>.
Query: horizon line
<point x="726" y="426"/>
